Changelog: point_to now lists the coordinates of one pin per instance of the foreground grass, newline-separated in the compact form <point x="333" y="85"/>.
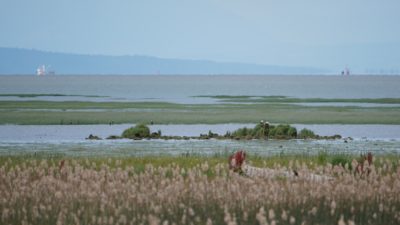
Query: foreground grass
<point x="43" y="112"/>
<point x="193" y="190"/>
<point x="190" y="160"/>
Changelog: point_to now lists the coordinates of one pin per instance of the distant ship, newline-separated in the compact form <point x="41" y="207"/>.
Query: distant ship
<point x="346" y="72"/>
<point x="43" y="70"/>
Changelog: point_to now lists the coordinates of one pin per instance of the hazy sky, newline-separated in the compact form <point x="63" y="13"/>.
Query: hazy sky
<point x="362" y="34"/>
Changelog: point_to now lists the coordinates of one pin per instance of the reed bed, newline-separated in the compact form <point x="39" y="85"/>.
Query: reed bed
<point x="113" y="192"/>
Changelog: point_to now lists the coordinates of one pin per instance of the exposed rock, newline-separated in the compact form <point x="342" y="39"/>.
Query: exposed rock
<point x="93" y="137"/>
<point x="113" y="137"/>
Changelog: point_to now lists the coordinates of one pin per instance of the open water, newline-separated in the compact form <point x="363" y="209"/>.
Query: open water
<point x="182" y="88"/>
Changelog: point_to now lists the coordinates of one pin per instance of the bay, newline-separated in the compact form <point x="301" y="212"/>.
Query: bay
<point x="70" y="140"/>
<point x="182" y="88"/>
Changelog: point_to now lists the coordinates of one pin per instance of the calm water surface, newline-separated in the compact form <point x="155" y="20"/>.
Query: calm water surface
<point x="197" y="147"/>
<point x="182" y="88"/>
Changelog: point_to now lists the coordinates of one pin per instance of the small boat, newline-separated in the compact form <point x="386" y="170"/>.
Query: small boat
<point x="346" y="72"/>
<point x="43" y="70"/>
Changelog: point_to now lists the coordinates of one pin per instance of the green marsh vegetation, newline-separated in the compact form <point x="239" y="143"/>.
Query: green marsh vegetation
<point x="190" y="160"/>
<point x="71" y="112"/>
<point x="138" y="131"/>
<point x="281" y="131"/>
<point x="306" y="133"/>
<point x="47" y="95"/>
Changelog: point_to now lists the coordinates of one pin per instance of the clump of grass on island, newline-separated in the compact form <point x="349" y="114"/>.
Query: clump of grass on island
<point x="281" y="131"/>
<point x="193" y="190"/>
<point x="138" y="131"/>
<point x="306" y="133"/>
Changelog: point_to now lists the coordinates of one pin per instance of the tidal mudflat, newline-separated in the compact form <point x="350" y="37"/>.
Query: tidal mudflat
<point x="72" y="112"/>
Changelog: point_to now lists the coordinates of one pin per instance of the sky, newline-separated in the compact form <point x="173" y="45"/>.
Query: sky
<point x="363" y="35"/>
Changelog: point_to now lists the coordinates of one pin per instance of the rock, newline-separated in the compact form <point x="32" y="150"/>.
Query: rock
<point x="154" y="135"/>
<point x="337" y="136"/>
<point x="113" y="137"/>
<point x="93" y="137"/>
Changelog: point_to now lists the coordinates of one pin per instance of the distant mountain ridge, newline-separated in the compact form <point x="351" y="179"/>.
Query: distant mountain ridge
<point x="26" y="61"/>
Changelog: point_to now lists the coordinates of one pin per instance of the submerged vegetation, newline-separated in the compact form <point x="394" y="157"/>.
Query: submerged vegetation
<point x="194" y="190"/>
